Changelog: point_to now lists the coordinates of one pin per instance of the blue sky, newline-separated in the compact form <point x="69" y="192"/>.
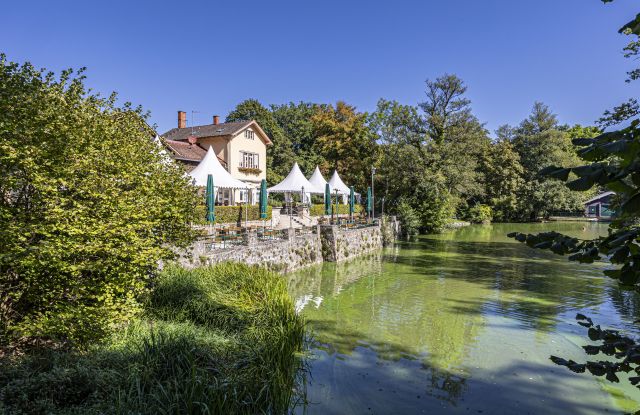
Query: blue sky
<point x="208" y="56"/>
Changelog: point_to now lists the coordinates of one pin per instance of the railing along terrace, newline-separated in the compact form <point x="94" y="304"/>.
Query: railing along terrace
<point x="305" y="230"/>
<point x="269" y="234"/>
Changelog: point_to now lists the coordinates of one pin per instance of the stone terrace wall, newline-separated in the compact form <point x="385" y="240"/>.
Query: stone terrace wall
<point x="326" y="243"/>
<point x="295" y="252"/>
<point x="340" y="244"/>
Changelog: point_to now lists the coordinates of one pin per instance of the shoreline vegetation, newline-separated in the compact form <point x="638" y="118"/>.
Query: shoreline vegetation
<point x="220" y="339"/>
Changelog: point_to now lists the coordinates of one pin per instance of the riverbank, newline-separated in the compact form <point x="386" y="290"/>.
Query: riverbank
<point x="222" y="339"/>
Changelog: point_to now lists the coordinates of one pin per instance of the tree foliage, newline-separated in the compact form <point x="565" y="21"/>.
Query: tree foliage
<point x="345" y="141"/>
<point x="295" y="119"/>
<point x="88" y="206"/>
<point x="540" y="142"/>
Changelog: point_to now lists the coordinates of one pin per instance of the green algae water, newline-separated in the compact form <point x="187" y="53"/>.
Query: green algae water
<point x="462" y="322"/>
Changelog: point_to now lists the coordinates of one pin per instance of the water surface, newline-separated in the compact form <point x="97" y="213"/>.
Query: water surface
<point x="462" y="322"/>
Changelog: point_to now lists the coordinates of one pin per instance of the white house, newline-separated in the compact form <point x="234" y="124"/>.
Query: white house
<point x="241" y="148"/>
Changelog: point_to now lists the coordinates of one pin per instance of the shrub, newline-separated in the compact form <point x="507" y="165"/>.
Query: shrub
<point x="88" y="206"/>
<point x="435" y="210"/>
<point x="479" y="214"/>
<point x="191" y="357"/>
<point x="232" y="214"/>
<point x="409" y="219"/>
<point x="318" y="210"/>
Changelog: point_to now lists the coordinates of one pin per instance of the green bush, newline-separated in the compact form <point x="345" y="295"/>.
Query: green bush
<point x="435" y="210"/>
<point x="232" y="214"/>
<point x="222" y="339"/>
<point x="89" y="206"/>
<point x="479" y="214"/>
<point x="318" y="210"/>
<point x="409" y="219"/>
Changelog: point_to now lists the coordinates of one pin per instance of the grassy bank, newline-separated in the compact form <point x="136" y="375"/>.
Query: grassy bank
<point x="222" y="339"/>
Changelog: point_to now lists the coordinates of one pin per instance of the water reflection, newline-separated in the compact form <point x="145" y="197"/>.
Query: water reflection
<point x="430" y="323"/>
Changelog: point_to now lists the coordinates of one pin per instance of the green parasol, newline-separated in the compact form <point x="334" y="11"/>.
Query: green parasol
<point x="369" y="206"/>
<point x="352" y="201"/>
<point x="263" y="199"/>
<point x="211" y="216"/>
<point x="327" y="199"/>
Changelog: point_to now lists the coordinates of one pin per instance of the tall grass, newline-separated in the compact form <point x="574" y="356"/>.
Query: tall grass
<point x="221" y="339"/>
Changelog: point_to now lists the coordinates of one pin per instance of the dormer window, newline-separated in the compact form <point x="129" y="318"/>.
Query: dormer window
<point x="248" y="134"/>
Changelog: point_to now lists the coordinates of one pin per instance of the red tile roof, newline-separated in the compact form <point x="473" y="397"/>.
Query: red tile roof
<point x="186" y="151"/>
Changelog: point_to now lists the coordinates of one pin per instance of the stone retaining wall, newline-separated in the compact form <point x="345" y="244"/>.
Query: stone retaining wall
<point x="326" y="243"/>
<point x="340" y="244"/>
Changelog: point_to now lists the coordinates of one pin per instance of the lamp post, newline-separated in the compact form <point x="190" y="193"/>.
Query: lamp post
<point x="373" y="197"/>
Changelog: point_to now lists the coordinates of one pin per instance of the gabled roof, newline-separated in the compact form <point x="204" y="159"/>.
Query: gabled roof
<point x="185" y="151"/>
<point x="215" y="130"/>
<point x="600" y="196"/>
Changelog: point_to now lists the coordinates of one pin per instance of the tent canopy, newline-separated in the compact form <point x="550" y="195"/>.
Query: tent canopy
<point x="294" y="182"/>
<point x="317" y="180"/>
<point x="337" y="185"/>
<point x="221" y="177"/>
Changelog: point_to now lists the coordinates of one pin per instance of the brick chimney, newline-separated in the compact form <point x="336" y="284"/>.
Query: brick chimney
<point x="216" y="119"/>
<point x="182" y="119"/>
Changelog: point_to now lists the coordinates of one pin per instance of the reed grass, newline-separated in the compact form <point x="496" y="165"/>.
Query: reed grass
<point x="220" y="339"/>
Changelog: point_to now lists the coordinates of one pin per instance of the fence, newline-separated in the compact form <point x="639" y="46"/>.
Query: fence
<point x="567" y="213"/>
<point x="268" y="234"/>
<point x="228" y="237"/>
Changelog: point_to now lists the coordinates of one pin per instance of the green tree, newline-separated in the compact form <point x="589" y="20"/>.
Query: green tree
<point x="280" y="155"/>
<point x="296" y="122"/>
<point x="503" y="180"/>
<point x="345" y="141"/>
<point x="446" y="108"/>
<point x="540" y="143"/>
<point x="408" y="167"/>
<point x="88" y="206"/>
<point x="458" y="140"/>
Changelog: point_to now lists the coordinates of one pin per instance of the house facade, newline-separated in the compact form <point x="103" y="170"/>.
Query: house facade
<point x="241" y="148"/>
<point x="599" y="206"/>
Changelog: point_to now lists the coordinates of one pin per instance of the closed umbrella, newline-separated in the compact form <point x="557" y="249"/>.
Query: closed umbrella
<point x="211" y="216"/>
<point x="263" y="199"/>
<point x="369" y="205"/>
<point x="327" y="199"/>
<point x="352" y="201"/>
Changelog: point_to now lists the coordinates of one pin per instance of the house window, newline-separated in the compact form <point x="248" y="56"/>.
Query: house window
<point x="248" y="134"/>
<point x="249" y="160"/>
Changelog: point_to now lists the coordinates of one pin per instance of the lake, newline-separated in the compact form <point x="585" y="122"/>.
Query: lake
<point x="462" y="322"/>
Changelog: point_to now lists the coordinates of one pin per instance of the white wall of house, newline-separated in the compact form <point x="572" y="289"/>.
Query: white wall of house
<point x="242" y="143"/>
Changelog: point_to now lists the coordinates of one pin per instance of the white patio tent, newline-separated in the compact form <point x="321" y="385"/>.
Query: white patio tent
<point x="295" y="182"/>
<point x="336" y="185"/>
<point x="221" y="177"/>
<point x="317" y="180"/>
